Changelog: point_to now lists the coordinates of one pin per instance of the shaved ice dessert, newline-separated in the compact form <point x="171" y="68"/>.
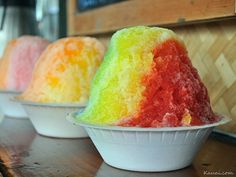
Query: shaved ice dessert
<point x="147" y="80"/>
<point x="18" y="60"/>
<point x="60" y="84"/>
<point x="64" y="71"/>
<point x="147" y="103"/>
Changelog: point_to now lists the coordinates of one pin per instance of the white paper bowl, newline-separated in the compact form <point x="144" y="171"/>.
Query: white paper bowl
<point x="147" y="149"/>
<point x="9" y="107"/>
<point x="50" y="119"/>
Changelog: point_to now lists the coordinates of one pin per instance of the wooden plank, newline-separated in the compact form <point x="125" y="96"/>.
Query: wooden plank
<point x="235" y="7"/>
<point x="25" y="153"/>
<point x="71" y="12"/>
<point x="148" y="12"/>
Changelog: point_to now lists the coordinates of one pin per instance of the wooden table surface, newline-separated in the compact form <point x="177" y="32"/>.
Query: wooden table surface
<point x="25" y="153"/>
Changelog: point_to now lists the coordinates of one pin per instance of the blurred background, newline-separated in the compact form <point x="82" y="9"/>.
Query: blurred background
<point x="207" y="28"/>
<point x="34" y="17"/>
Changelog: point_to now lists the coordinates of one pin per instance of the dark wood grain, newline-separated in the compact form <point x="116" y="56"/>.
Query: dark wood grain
<point x="25" y="153"/>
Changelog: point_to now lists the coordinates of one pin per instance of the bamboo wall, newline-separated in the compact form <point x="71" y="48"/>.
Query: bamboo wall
<point x="212" y="49"/>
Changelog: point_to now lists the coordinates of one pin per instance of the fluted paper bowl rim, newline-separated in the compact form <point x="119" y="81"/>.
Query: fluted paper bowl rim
<point x="49" y="104"/>
<point x="72" y="118"/>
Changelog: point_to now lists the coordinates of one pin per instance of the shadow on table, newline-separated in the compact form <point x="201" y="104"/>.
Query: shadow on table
<point x="106" y="170"/>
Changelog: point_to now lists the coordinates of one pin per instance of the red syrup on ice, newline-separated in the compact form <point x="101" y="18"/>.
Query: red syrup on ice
<point x="173" y="90"/>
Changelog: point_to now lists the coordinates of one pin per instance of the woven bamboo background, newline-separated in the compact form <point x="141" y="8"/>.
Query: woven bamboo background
<point x="212" y="49"/>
